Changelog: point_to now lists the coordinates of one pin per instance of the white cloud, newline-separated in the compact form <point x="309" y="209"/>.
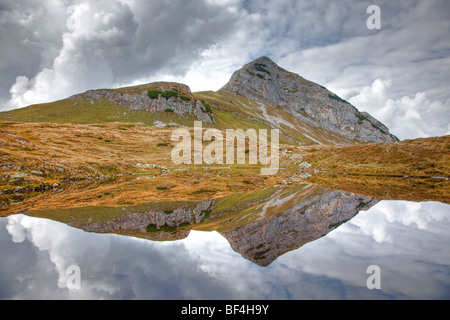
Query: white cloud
<point x="407" y="117"/>
<point x="407" y="240"/>
<point x="65" y="246"/>
<point x="112" y="267"/>
<point x="82" y="61"/>
<point x="382" y="221"/>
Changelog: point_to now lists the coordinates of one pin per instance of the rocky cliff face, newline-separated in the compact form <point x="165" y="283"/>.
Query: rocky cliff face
<point x="137" y="98"/>
<point x="294" y="221"/>
<point x="154" y="224"/>
<point x="309" y="102"/>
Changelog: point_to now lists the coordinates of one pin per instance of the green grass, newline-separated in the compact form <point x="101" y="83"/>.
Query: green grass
<point x="84" y="112"/>
<point x="207" y="107"/>
<point x="154" y="94"/>
<point x="229" y="202"/>
<point x="185" y="98"/>
<point x="261" y="67"/>
<point x="103" y="214"/>
<point x="169" y="94"/>
<point x="166" y="229"/>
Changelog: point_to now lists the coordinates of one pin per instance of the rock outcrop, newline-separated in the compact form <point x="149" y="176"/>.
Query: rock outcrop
<point x="137" y="98"/>
<point x="265" y="81"/>
<point x="154" y="224"/>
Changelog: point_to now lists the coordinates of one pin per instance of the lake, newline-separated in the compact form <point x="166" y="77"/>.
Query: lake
<point x="302" y="242"/>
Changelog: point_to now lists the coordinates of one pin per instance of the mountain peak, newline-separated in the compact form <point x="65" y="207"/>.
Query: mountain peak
<point x="264" y="60"/>
<point x="263" y="80"/>
<point x="262" y="65"/>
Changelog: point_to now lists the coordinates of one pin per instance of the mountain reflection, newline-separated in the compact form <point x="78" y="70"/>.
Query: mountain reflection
<point x="288" y="222"/>
<point x="260" y="225"/>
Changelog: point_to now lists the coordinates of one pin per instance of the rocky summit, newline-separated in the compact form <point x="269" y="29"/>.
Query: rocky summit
<point x="264" y="81"/>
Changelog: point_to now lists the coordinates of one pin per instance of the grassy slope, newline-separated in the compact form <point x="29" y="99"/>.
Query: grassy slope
<point x="63" y="151"/>
<point x="90" y="150"/>
<point x="65" y="111"/>
<point x="419" y="157"/>
<point x="232" y="110"/>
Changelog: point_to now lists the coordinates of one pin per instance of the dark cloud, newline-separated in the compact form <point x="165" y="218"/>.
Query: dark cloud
<point x="103" y="43"/>
<point x="29" y="39"/>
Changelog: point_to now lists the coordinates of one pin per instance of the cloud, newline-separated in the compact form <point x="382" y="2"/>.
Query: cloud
<point x="112" y="267"/>
<point x="30" y="39"/>
<point x="205" y="266"/>
<point x="82" y="61"/>
<point x="107" y="43"/>
<point x="407" y="240"/>
<point x="65" y="246"/>
<point x="408" y="117"/>
<point x="382" y="221"/>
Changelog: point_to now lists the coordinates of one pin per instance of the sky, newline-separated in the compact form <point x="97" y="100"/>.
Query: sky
<point x="399" y="73"/>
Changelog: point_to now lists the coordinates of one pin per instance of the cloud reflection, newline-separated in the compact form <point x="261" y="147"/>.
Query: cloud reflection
<point x="409" y="241"/>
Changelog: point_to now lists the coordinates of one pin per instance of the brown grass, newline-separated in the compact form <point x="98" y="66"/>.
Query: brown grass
<point x="62" y="151"/>
<point x="387" y="188"/>
<point x="420" y="157"/>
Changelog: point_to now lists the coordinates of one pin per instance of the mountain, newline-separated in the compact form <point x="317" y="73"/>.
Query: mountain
<point x="151" y="104"/>
<point x="292" y="219"/>
<point x="259" y="95"/>
<point x="286" y="93"/>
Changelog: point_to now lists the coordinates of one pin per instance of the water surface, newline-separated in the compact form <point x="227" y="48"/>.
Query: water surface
<point x="302" y="243"/>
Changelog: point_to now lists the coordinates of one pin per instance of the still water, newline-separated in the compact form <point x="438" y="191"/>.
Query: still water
<point x="315" y="245"/>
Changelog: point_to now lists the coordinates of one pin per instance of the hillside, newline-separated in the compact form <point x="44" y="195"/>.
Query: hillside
<point x="416" y="158"/>
<point x="259" y="95"/>
<point x="261" y="225"/>
<point x="117" y="105"/>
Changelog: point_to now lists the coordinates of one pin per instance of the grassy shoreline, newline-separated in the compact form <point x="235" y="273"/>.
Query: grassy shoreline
<point x="37" y="157"/>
